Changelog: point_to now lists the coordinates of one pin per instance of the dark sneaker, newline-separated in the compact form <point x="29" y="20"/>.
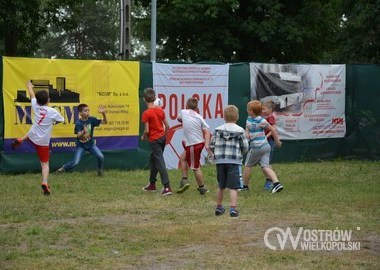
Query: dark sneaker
<point x="183" y="185"/>
<point x="268" y="185"/>
<point x="220" y="211"/>
<point x="202" y="190"/>
<point x="45" y="189"/>
<point x="277" y="188"/>
<point x="166" y="191"/>
<point x="100" y="173"/>
<point x="244" y="188"/>
<point x="234" y="213"/>
<point x="16" y="143"/>
<point x="150" y="187"/>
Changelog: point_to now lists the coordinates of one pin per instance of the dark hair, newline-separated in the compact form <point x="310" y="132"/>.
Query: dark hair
<point x="149" y="95"/>
<point x="192" y="104"/>
<point x="81" y="107"/>
<point x="42" y="97"/>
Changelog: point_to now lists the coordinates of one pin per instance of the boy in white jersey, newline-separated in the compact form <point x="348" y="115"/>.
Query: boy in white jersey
<point x="197" y="136"/>
<point x="259" y="148"/>
<point x="40" y="132"/>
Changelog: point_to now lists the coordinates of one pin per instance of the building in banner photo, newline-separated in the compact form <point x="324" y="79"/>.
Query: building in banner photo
<point x="58" y="95"/>
<point x="283" y="87"/>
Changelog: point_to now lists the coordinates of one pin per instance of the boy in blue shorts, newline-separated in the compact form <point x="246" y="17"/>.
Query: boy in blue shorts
<point x="228" y="143"/>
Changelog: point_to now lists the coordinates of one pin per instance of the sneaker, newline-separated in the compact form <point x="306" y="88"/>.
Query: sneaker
<point x="234" y="212"/>
<point x="60" y="170"/>
<point x="277" y="188"/>
<point x="202" y="190"/>
<point x="100" y="173"/>
<point x="166" y="191"/>
<point x="220" y="211"/>
<point x="16" y="143"/>
<point x="244" y="188"/>
<point x="183" y="185"/>
<point x="150" y="187"/>
<point x="45" y="189"/>
<point x="268" y="185"/>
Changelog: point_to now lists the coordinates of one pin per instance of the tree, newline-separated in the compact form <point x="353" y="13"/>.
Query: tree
<point x="81" y="29"/>
<point x="359" y="37"/>
<point x="21" y="26"/>
<point x="245" y="30"/>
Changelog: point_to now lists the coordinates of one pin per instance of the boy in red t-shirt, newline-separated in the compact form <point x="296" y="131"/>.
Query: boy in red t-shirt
<point x="156" y="126"/>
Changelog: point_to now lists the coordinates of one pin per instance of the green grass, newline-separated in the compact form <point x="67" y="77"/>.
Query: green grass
<point x="92" y="222"/>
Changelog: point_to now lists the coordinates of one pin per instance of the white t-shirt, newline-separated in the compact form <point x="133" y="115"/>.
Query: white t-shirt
<point x="44" y="119"/>
<point x="193" y="125"/>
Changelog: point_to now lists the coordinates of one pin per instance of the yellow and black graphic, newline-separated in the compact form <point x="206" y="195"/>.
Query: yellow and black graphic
<point x="113" y="84"/>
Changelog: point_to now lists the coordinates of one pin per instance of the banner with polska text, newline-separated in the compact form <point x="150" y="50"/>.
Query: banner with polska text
<point x="113" y="84"/>
<point x="174" y="84"/>
<point x="309" y="100"/>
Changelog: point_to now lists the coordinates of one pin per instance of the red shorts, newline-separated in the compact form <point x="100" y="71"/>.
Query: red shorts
<point x="193" y="155"/>
<point x="43" y="152"/>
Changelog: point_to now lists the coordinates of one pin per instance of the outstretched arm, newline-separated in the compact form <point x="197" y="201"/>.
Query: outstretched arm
<point x="275" y="136"/>
<point x="102" y="110"/>
<point x="30" y="87"/>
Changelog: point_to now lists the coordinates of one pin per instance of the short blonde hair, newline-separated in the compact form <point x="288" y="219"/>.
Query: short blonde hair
<point x="255" y="106"/>
<point x="231" y="113"/>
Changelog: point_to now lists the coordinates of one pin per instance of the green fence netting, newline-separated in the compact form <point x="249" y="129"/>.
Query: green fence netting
<point x="362" y="140"/>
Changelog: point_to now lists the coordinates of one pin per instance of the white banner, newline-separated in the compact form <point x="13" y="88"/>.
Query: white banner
<point x="309" y="99"/>
<point x="175" y="83"/>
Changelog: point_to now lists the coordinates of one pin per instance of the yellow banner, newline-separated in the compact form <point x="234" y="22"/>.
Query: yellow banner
<point x="113" y="84"/>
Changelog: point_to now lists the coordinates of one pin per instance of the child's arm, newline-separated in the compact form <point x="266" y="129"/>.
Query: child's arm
<point x="102" y="110"/>
<point x="30" y="87"/>
<point x="146" y="132"/>
<point x="207" y="136"/>
<point x="166" y="124"/>
<point x="275" y="135"/>
<point x="247" y="133"/>
<point x="179" y="118"/>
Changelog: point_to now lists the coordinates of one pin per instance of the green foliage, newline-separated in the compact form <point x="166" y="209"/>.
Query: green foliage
<point x="266" y="31"/>
<point x="21" y="25"/>
<point x="81" y="29"/>
<point x="359" y="38"/>
<point x="232" y="30"/>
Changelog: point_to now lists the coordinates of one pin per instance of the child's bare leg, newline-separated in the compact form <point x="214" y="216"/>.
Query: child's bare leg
<point x="219" y="196"/>
<point x="45" y="171"/>
<point x="233" y="197"/>
<point x="246" y="175"/>
<point x="199" y="177"/>
<point x="184" y="166"/>
<point x="268" y="172"/>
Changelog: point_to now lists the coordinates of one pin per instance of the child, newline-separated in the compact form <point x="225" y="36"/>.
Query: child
<point x="267" y="113"/>
<point x="259" y="148"/>
<point x="84" y="129"/>
<point x="40" y="132"/>
<point x="197" y="137"/>
<point x="228" y="143"/>
<point x="155" y="130"/>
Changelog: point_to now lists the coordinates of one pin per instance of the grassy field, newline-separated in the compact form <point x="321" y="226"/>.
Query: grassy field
<point x="108" y="222"/>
